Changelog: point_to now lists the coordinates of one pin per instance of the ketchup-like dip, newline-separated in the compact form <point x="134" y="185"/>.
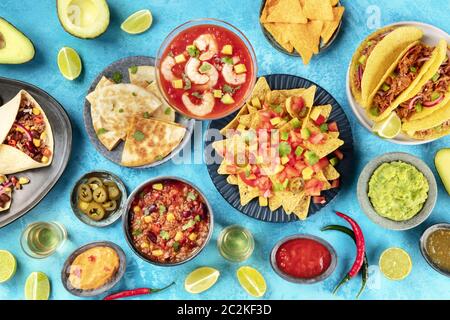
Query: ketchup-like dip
<point x="303" y="258"/>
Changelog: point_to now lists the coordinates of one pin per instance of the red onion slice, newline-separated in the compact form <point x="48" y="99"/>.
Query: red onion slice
<point x="27" y="132"/>
<point x="434" y="102"/>
<point x="360" y="73"/>
<point x="412" y="103"/>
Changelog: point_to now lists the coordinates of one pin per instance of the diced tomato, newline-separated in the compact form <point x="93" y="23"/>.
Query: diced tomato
<point x="313" y="187"/>
<point x="38" y="119"/>
<point x="231" y="169"/>
<point x="319" y="200"/>
<point x="317" y="138"/>
<point x="322" y="164"/>
<point x="333" y="127"/>
<point x="46" y="152"/>
<point x="282" y="176"/>
<point x="300" y="165"/>
<point x="291" y="172"/>
<point x="335" y="183"/>
<point x="338" y="153"/>
<point x="256" y="170"/>
<point x="264" y="184"/>
<point x="246" y="180"/>
<point x="297" y="104"/>
<point x="320" y="120"/>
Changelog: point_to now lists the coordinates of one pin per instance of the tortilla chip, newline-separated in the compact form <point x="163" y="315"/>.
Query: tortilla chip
<point x="325" y="148"/>
<point x="232" y="179"/>
<point x="275" y="201"/>
<point x="321" y="176"/>
<point x="331" y="173"/>
<point x="334" y="2"/>
<point x="318" y="10"/>
<point x="302" y="209"/>
<point x="143" y="75"/>
<point x="292" y="92"/>
<point x="245" y="120"/>
<point x="334" y="134"/>
<point x="266" y="10"/>
<point x="235" y="122"/>
<point x="219" y="146"/>
<point x="246" y="192"/>
<point x="290" y="200"/>
<point x="329" y="27"/>
<point x="261" y="88"/>
<point x="287" y="11"/>
<point x="325" y="110"/>
<point x="305" y="38"/>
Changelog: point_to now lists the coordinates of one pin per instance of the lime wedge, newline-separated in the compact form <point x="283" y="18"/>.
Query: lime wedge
<point x="389" y="128"/>
<point x="69" y="63"/>
<point x="138" y="22"/>
<point x="8" y="265"/>
<point x="37" y="286"/>
<point x="395" y="263"/>
<point x="252" y="281"/>
<point x="201" y="279"/>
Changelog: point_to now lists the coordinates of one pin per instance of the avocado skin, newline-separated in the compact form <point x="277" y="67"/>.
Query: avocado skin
<point x="73" y="34"/>
<point x="4" y="21"/>
<point x="442" y="163"/>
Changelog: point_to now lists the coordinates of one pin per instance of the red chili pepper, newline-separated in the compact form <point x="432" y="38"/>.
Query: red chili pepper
<point x="360" y="250"/>
<point x="135" y="292"/>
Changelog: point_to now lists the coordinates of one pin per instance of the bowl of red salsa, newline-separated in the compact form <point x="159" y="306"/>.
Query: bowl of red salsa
<point x="168" y="221"/>
<point x="303" y="259"/>
<point x="206" y="69"/>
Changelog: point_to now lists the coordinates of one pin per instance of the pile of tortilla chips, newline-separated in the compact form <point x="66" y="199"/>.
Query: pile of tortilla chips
<point x="290" y="180"/>
<point x="301" y="24"/>
<point x="135" y="113"/>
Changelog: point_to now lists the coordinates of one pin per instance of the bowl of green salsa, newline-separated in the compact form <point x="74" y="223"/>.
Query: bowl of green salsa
<point x="397" y="191"/>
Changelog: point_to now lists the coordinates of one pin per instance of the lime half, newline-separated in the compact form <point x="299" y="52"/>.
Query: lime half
<point x="389" y="128"/>
<point x="252" y="281"/>
<point x="201" y="279"/>
<point x="8" y="265"/>
<point x="138" y="22"/>
<point x="69" y="63"/>
<point x="37" y="286"/>
<point x="395" y="263"/>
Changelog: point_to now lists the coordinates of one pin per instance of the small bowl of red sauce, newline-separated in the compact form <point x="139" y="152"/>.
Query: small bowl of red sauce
<point x="303" y="259"/>
<point x="206" y="69"/>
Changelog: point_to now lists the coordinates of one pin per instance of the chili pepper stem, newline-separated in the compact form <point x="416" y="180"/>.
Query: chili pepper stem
<point x="161" y="289"/>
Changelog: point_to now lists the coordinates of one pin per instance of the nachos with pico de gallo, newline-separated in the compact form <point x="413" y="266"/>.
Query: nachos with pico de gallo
<point x="281" y="149"/>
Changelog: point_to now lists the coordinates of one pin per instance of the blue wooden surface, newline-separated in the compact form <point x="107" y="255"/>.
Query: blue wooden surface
<point x="39" y="21"/>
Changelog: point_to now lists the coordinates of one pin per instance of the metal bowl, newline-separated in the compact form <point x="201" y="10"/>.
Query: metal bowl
<point x="366" y="205"/>
<point x="90" y="293"/>
<point x="289" y="278"/>
<point x="126" y="221"/>
<point x="423" y="249"/>
<point x="112" y="217"/>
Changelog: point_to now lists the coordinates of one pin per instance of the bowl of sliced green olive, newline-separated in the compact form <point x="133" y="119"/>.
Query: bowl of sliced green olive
<point x="98" y="198"/>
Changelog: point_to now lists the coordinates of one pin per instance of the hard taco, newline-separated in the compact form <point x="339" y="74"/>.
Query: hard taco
<point x="26" y="135"/>
<point x="434" y="94"/>
<point x="5" y="193"/>
<point x="434" y="126"/>
<point x="375" y="55"/>
<point x="401" y="79"/>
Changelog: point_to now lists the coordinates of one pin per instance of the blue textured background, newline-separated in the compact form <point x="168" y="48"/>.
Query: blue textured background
<point x="38" y="20"/>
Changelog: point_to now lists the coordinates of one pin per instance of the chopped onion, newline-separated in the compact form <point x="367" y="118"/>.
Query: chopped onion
<point x="25" y="130"/>
<point x="434" y="102"/>
<point x="423" y="59"/>
<point x="412" y="103"/>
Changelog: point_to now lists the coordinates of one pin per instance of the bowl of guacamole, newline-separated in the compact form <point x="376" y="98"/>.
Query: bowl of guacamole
<point x="397" y="191"/>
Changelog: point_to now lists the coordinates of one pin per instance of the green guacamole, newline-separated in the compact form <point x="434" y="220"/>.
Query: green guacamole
<point x="398" y="190"/>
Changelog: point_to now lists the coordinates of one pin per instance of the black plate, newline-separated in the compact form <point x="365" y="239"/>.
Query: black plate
<point x="115" y="155"/>
<point x="253" y="209"/>
<point x="42" y="179"/>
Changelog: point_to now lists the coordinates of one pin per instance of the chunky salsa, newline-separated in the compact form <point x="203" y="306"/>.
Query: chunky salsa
<point x="169" y="221"/>
<point x="303" y="258"/>
<point x="206" y="71"/>
<point x="28" y="133"/>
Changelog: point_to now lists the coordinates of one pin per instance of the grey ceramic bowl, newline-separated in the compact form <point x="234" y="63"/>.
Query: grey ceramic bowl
<point x="126" y="221"/>
<point x="423" y="250"/>
<point x="289" y="278"/>
<point x="90" y="293"/>
<point x="112" y="217"/>
<point x="366" y="205"/>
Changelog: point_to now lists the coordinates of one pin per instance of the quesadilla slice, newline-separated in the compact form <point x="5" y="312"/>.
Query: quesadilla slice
<point x="164" y="112"/>
<point x="26" y="135"/>
<point x="142" y="76"/>
<point x="150" y="140"/>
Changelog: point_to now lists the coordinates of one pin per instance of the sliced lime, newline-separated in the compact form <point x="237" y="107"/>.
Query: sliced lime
<point x="8" y="265"/>
<point x="69" y="63"/>
<point x="138" y="22"/>
<point x="252" y="281"/>
<point x="395" y="263"/>
<point x="201" y="279"/>
<point x="389" y="128"/>
<point x="37" y="286"/>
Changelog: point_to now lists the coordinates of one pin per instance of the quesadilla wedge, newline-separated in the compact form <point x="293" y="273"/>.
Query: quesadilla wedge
<point x="114" y="106"/>
<point x="434" y="94"/>
<point x="142" y="76"/>
<point x="150" y="140"/>
<point x="26" y="135"/>
<point x="5" y="194"/>
<point x="375" y="55"/>
<point x="164" y="112"/>
<point x="434" y="126"/>
<point x="401" y="79"/>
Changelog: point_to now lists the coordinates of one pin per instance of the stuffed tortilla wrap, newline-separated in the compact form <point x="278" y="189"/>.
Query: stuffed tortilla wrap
<point x="434" y="126"/>
<point x="26" y="135"/>
<point x="5" y="193"/>
<point x="434" y="94"/>
<point x="375" y="55"/>
<point x="401" y="79"/>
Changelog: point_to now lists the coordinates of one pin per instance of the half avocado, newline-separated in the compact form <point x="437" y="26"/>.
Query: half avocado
<point x="15" y="47"/>
<point x="86" y="19"/>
